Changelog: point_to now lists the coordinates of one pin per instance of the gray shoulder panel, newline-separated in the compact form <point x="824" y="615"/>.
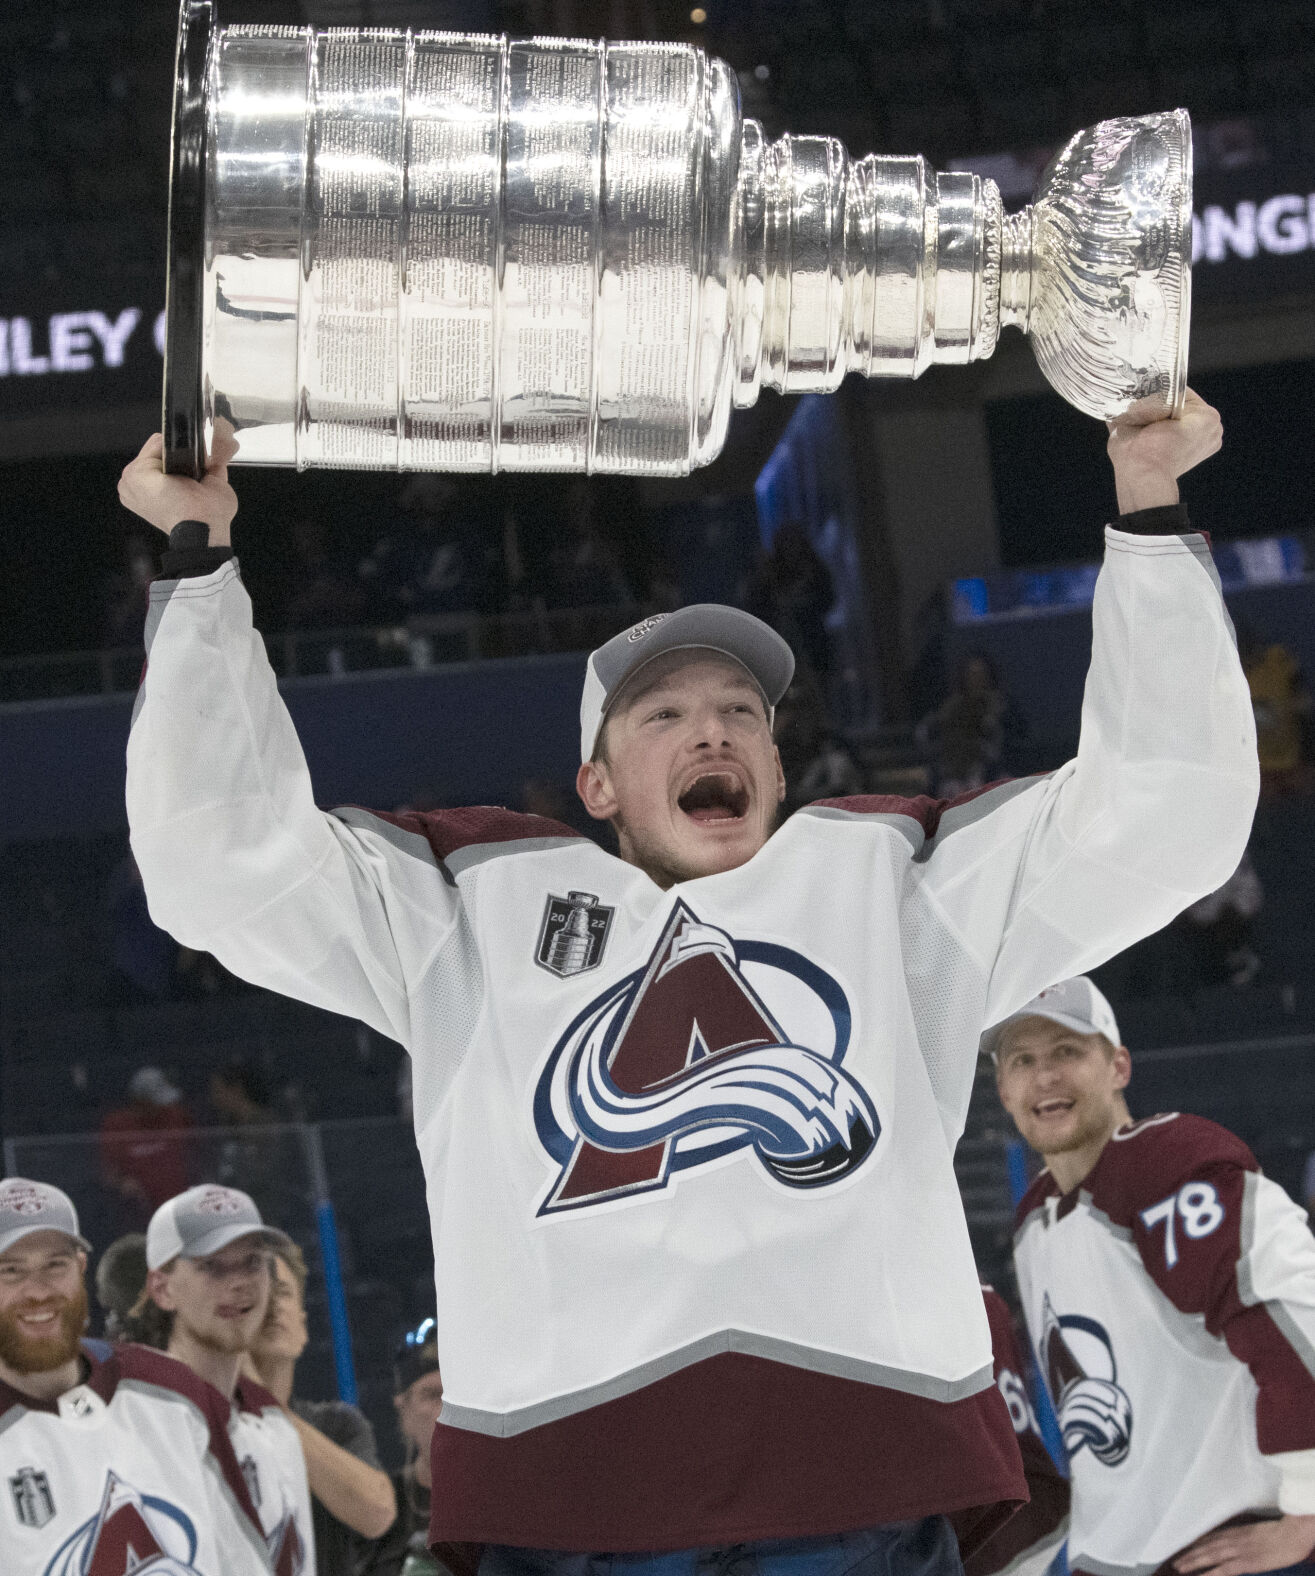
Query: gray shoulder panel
<point x="959" y="816"/>
<point x="953" y="820"/>
<point x="410" y="843"/>
<point x="1246" y="1286"/>
<point x="473" y="854"/>
<point x="1102" y="1219"/>
<point x="461" y="859"/>
<point x="908" y="826"/>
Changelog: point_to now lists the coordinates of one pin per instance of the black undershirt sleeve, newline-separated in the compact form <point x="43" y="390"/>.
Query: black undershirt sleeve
<point x="189" y="553"/>
<point x="1169" y="519"/>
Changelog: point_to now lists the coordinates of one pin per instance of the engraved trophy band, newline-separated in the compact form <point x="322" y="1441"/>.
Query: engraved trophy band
<point x="438" y="251"/>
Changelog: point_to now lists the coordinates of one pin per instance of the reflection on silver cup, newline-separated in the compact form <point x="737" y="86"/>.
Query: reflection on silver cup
<point x="438" y="251"/>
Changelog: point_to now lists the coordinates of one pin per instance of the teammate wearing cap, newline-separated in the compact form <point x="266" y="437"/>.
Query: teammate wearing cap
<point x="1169" y="1290"/>
<point x="209" y="1278"/>
<point x="688" y="1115"/>
<point x="111" y="1463"/>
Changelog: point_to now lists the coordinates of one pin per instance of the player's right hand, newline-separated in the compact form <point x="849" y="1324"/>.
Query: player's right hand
<point x="165" y="500"/>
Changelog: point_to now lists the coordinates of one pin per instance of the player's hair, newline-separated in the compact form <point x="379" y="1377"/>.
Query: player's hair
<point x="148" y="1323"/>
<point x="121" y="1274"/>
<point x="295" y="1259"/>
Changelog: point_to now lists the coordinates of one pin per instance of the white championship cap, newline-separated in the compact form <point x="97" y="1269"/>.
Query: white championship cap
<point x="1075" y="1003"/>
<point x="195" y="1224"/>
<point x="703" y="626"/>
<point x="26" y="1207"/>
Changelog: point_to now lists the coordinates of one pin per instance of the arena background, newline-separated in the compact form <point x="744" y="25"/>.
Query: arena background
<point x="431" y="635"/>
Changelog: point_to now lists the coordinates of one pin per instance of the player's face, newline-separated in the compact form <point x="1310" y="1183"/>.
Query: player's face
<point x="43" y="1302"/>
<point x="219" y="1301"/>
<point x="691" y="779"/>
<point x="1063" y="1090"/>
<point x="284" y="1333"/>
<point x="418" y="1408"/>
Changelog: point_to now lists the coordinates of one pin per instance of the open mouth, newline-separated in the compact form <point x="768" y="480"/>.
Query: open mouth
<point x="1049" y="1108"/>
<point x="715" y="796"/>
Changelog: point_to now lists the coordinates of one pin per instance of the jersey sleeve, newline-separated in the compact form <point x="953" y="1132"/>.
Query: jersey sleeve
<point x="1221" y="1240"/>
<point x="1043" y="879"/>
<point x="1027" y="1543"/>
<point x="235" y="857"/>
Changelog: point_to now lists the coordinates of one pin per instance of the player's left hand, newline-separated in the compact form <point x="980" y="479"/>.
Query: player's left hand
<point x="1240" y="1551"/>
<point x="1149" y="457"/>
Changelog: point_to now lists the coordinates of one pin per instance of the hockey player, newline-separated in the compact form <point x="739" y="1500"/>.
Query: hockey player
<point x="1025" y="1544"/>
<point x="688" y="1114"/>
<point x="1169" y="1290"/>
<point x="111" y="1464"/>
<point x="209" y="1274"/>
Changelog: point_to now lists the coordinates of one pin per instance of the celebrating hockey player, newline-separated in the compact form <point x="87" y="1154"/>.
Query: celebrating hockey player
<point x="1025" y="1544"/>
<point x="688" y="1114"/>
<point x="209" y="1276"/>
<point x="1169" y="1289"/>
<point x="113" y="1463"/>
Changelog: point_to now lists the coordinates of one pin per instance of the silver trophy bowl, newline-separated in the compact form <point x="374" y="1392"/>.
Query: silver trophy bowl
<point x="438" y="251"/>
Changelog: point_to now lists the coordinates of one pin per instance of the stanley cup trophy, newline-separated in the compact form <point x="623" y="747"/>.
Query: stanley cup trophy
<point x="439" y="251"/>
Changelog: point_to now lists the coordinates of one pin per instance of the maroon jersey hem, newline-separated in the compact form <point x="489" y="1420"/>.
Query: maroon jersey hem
<point x="730" y="1450"/>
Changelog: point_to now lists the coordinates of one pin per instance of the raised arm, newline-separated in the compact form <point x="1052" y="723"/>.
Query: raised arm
<point x="1156" y="808"/>
<point x="235" y="857"/>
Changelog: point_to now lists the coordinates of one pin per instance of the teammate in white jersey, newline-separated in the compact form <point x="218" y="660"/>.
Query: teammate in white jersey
<point x="1025" y="1544"/>
<point x="1169" y="1289"/>
<point x="113" y="1460"/>
<point x="208" y="1271"/>
<point x="688" y="1115"/>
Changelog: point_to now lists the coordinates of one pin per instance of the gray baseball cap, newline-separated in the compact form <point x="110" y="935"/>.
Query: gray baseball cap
<point x="703" y="626"/>
<point x="1075" y="1004"/>
<point x="26" y="1207"/>
<point x="195" y="1224"/>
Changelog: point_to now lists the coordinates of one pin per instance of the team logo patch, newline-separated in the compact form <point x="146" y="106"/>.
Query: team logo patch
<point x="573" y="934"/>
<point x="219" y="1201"/>
<point x="639" y="630"/>
<point x="23" y="1199"/>
<point x="130" y="1532"/>
<point x="34" y="1505"/>
<point x="716" y="1046"/>
<point x="1077" y="1358"/>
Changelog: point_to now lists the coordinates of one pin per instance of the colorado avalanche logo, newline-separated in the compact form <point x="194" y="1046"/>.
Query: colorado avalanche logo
<point x="1095" y="1413"/>
<point x="683" y="1063"/>
<point x="131" y="1532"/>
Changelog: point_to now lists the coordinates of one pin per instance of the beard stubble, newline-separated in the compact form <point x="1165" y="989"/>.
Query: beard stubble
<point x="25" y="1354"/>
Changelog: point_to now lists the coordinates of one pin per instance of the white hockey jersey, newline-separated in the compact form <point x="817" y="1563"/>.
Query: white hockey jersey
<point x="268" y="1451"/>
<point x="134" y="1468"/>
<point x="1171" y="1301"/>
<point x="702" y="1269"/>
